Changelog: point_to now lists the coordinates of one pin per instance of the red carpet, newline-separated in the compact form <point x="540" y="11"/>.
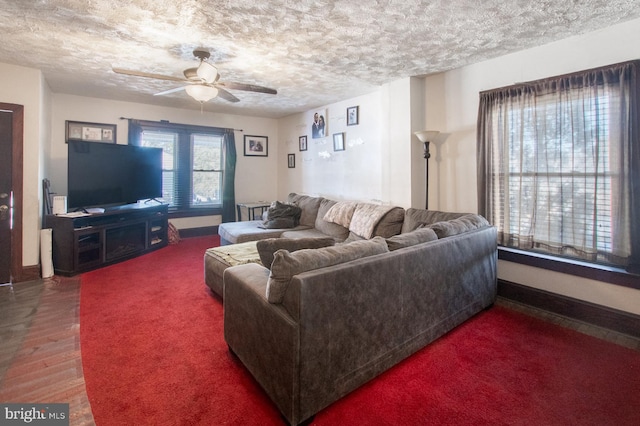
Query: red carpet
<point x="153" y="354"/>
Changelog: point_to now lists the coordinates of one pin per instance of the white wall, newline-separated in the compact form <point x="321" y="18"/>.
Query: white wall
<point x="452" y="108"/>
<point x="352" y="174"/>
<point x="380" y="156"/>
<point x="255" y="176"/>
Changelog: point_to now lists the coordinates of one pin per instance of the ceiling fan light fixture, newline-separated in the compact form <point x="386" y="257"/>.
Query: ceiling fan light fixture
<point x="207" y="72"/>
<point x="201" y="93"/>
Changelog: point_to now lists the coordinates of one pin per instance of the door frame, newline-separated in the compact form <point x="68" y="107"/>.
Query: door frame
<point x="17" y="130"/>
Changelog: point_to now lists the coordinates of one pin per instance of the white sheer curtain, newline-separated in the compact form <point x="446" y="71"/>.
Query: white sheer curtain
<point x="556" y="164"/>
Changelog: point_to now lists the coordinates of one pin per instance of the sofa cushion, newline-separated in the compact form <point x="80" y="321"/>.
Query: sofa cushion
<point x="266" y="248"/>
<point x="418" y="236"/>
<point x="309" y="206"/>
<point x="218" y="259"/>
<point x="240" y="232"/>
<point x="413" y="218"/>
<point x="341" y="213"/>
<point x="474" y="221"/>
<point x="305" y="233"/>
<point x="340" y="233"/>
<point x="458" y="226"/>
<point x="285" y="265"/>
<point x="390" y="224"/>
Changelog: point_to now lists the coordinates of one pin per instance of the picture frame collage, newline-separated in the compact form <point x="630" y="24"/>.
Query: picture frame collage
<point x="258" y="146"/>
<point x="320" y="129"/>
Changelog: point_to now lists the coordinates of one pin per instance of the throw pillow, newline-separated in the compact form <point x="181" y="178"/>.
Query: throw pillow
<point x="341" y="213"/>
<point x="368" y="217"/>
<point x="282" y="215"/>
<point x="457" y="226"/>
<point x="266" y="248"/>
<point x="420" y="235"/>
<point x="413" y="218"/>
<point x="309" y="206"/>
<point x="286" y="265"/>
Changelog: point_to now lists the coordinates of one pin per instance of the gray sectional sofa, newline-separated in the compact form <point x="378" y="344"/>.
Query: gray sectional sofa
<point x="318" y="323"/>
<point x="313" y="223"/>
<point x="349" y="222"/>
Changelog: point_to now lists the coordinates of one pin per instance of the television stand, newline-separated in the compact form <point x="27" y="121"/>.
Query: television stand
<point x="88" y="242"/>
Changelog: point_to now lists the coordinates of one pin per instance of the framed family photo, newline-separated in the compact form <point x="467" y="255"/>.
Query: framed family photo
<point x="319" y="125"/>
<point x="302" y="143"/>
<point x="256" y="146"/>
<point x="89" y="132"/>
<point x="352" y="115"/>
<point x="291" y="161"/>
<point x="338" y="141"/>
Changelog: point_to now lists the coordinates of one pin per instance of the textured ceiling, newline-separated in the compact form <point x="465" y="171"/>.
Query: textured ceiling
<point x="313" y="52"/>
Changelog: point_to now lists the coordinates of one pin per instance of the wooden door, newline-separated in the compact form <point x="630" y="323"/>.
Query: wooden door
<point x="11" y="182"/>
<point x="6" y="157"/>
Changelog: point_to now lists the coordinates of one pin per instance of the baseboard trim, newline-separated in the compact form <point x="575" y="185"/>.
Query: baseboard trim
<point x="29" y="273"/>
<point x="598" y="315"/>
<point x="198" y="232"/>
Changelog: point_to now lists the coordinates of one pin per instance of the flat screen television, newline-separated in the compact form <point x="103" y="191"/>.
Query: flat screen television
<point x="104" y="174"/>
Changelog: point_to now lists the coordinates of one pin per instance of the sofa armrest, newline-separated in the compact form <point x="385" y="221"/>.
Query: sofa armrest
<point x="261" y="334"/>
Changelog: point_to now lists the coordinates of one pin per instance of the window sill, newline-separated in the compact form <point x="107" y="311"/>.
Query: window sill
<point x="592" y="271"/>
<point x="195" y="212"/>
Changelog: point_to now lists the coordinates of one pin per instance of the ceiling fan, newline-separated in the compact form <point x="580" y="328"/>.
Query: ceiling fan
<point x="202" y="81"/>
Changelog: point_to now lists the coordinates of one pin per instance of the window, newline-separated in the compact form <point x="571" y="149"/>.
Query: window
<point x="192" y="172"/>
<point x="555" y="165"/>
<point x="206" y="175"/>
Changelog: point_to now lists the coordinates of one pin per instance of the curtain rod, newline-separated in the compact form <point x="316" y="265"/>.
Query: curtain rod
<point x="168" y="122"/>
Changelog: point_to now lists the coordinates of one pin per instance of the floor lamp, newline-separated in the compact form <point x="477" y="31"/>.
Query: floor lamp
<point x="425" y="137"/>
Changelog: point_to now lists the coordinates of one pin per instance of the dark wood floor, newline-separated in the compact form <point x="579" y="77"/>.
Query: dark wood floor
<point x="40" y="359"/>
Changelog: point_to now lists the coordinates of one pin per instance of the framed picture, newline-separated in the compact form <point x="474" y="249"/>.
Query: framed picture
<point x="302" y="143"/>
<point x="352" y="115"/>
<point x="319" y="125"/>
<point x="291" y="161"/>
<point x="90" y="132"/>
<point x="338" y="141"/>
<point x="256" y="146"/>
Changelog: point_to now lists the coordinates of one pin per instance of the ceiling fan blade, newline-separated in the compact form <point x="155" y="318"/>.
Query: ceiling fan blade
<point x="246" y="87"/>
<point x="166" y="92"/>
<point x="147" y="75"/>
<point x="226" y="95"/>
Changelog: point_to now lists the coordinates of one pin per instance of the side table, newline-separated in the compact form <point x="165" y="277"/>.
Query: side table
<point x="251" y="208"/>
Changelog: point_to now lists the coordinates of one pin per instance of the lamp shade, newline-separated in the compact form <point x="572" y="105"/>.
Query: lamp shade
<point x="426" y="135"/>
<point x="207" y="72"/>
<point x="201" y="93"/>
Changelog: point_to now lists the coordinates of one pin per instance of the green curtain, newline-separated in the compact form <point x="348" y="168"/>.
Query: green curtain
<point x="135" y="132"/>
<point x="228" y="177"/>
